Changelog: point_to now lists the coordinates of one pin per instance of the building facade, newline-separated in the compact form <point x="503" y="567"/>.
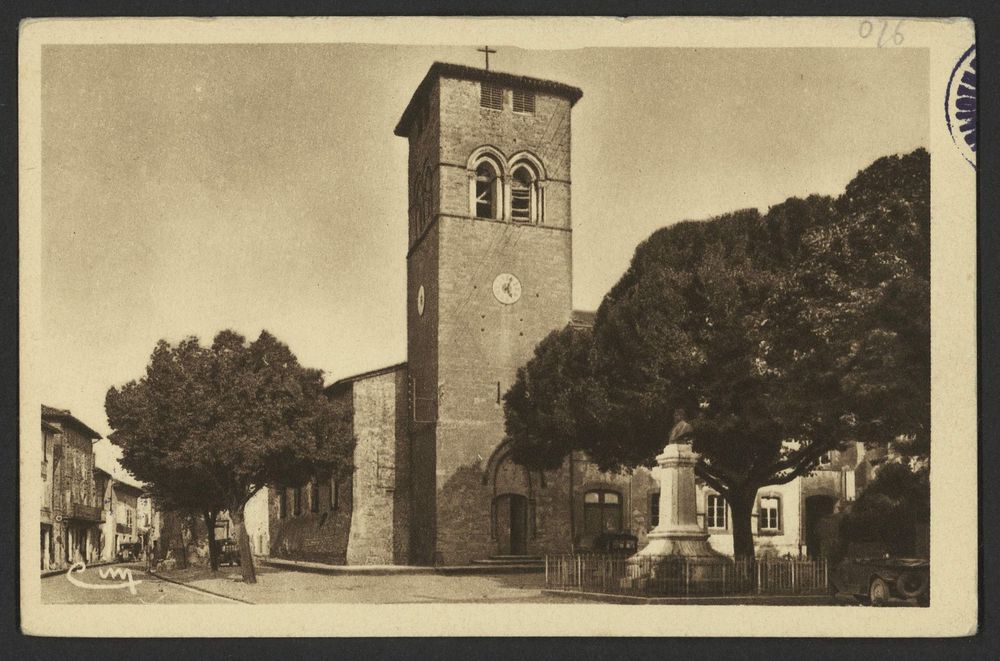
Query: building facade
<point x="489" y="275"/>
<point x="125" y="504"/>
<point x="70" y="507"/>
<point x="148" y="519"/>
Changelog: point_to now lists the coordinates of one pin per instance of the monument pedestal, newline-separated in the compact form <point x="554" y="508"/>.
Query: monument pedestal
<point x="678" y="558"/>
<point x="678" y="532"/>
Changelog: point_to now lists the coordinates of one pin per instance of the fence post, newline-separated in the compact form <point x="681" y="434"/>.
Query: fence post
<point x="687" y="576"/>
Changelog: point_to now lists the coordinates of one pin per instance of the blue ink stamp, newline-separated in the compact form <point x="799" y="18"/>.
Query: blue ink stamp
<point x="960" y="105"/>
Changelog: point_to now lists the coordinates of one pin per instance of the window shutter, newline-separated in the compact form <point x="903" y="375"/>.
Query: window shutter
<point x="523" y="101"/>
<point x="490" y="96"/>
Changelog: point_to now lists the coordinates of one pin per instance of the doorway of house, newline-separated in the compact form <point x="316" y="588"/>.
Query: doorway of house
<point x="512" y="524"/>
<point x="818" y="508"/>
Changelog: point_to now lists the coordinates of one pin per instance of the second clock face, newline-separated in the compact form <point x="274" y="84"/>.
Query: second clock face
<point x="420" y="300"/>
<point x="507" y="288"/>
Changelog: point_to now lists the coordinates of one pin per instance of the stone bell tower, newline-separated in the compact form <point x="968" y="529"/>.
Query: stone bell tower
<point x="489" y="270"/>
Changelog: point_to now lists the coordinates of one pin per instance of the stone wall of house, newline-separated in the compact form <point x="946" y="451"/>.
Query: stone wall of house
<point x="787" y="539"/>
<point x="72" y="485"/>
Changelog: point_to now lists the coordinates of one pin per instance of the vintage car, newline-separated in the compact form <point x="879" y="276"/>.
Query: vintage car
<point x="876" y="580"/>
<point x="229" y="552"/>
<point x="129" y="552"/>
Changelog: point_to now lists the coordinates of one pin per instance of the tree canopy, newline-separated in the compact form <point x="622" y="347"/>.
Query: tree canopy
<point x="208" y="427"/>
<point x="782" y="336"/>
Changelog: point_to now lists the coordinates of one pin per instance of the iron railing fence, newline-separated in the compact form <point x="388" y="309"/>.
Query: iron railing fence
<point x="673" y="576"/>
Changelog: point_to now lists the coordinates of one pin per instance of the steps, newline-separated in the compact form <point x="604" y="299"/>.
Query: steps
<point x="505" y="560"/>
<point x="498" y="564"/>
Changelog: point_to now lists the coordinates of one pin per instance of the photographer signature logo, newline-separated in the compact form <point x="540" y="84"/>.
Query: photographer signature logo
<point x="112" y="573"/>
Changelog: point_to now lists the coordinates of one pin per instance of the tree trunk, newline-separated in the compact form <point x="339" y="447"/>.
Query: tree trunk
<point x="741" y="505"/>
<point x="246" y="553"/>
<point x="184" y="521"/>
<point x="213" y="550"/>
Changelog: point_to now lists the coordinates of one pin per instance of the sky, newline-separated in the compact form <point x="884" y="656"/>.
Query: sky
<point x="192" y="188"/>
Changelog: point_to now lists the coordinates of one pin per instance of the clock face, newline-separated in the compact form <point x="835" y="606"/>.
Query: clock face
<point x="507" y="288"/>
<point x="420" y="301"/>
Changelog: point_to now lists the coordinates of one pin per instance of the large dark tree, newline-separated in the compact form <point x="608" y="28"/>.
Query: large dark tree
<point x="208" y="427"/>
<point x="783" y="336"/>
<point x="892" y="512"/>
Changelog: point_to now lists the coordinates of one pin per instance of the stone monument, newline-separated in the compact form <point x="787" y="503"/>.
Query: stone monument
<point x="678" y="532"/>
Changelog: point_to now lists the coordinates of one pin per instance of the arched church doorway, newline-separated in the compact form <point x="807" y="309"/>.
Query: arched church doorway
<point x="818" y="508"/>
<point x="512" y="523"/>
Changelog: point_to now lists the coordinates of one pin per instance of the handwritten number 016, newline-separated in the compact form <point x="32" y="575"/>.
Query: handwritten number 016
<point x="867" y="28"/>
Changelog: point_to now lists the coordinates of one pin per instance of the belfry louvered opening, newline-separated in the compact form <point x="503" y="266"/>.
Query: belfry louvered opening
<point x="523" y="101"/>
<point x="490" y="96"/>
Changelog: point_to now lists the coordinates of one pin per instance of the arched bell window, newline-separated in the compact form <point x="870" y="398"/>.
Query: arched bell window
<point x="487" y="191"/>
<point x="523" y="194"/>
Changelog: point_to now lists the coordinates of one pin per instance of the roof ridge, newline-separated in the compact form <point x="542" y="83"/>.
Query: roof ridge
<point x="439" y="68"/>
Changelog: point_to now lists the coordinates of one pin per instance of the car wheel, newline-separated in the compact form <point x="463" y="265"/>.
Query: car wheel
<point x="878" y="593"/>
<point x="912" y="584"/>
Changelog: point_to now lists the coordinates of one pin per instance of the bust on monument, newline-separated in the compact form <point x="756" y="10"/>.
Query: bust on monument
<point x="679" y="533"/>
<point x="681" y="429"/>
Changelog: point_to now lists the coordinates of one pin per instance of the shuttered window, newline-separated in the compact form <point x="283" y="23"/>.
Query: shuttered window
<point x="524" y="101"/>
<point x="490" y="96"/>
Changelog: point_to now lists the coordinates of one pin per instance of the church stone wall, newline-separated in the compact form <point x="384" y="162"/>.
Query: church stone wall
<point x="377" y="528"/>
<point x="481" y="342"/>
<point x="481" y="345"/>
<point x="423" y="155"/>
<point x="422" y="362"/>
<point x="314" y="536"/>
<point x="465" y="126"/>
<point x="463" y="352"/>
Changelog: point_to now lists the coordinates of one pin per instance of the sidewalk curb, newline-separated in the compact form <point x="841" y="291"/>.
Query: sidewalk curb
<point x="198" y="589"/>
<point x="746" y="600"/>
<point x="401" y="570"/>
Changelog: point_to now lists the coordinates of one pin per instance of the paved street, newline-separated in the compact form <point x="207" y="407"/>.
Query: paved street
<point x="58" y="589"/>
<point x="283" y="586"/>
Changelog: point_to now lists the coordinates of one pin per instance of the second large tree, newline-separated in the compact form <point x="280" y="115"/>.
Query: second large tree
<point x="782" y="336"/>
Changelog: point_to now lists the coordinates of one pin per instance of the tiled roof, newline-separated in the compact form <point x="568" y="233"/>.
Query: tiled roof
<point x="63" y="415"/>
<point x="583" y="318"/>
<point x="340" y="383"/>
<point x="446" y="69"/>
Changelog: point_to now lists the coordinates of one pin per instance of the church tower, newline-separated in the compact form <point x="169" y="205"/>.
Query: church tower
<point x="489" y="275"/>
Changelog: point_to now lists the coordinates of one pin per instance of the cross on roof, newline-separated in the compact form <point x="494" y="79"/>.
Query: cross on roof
<point x="486" y="50"/>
